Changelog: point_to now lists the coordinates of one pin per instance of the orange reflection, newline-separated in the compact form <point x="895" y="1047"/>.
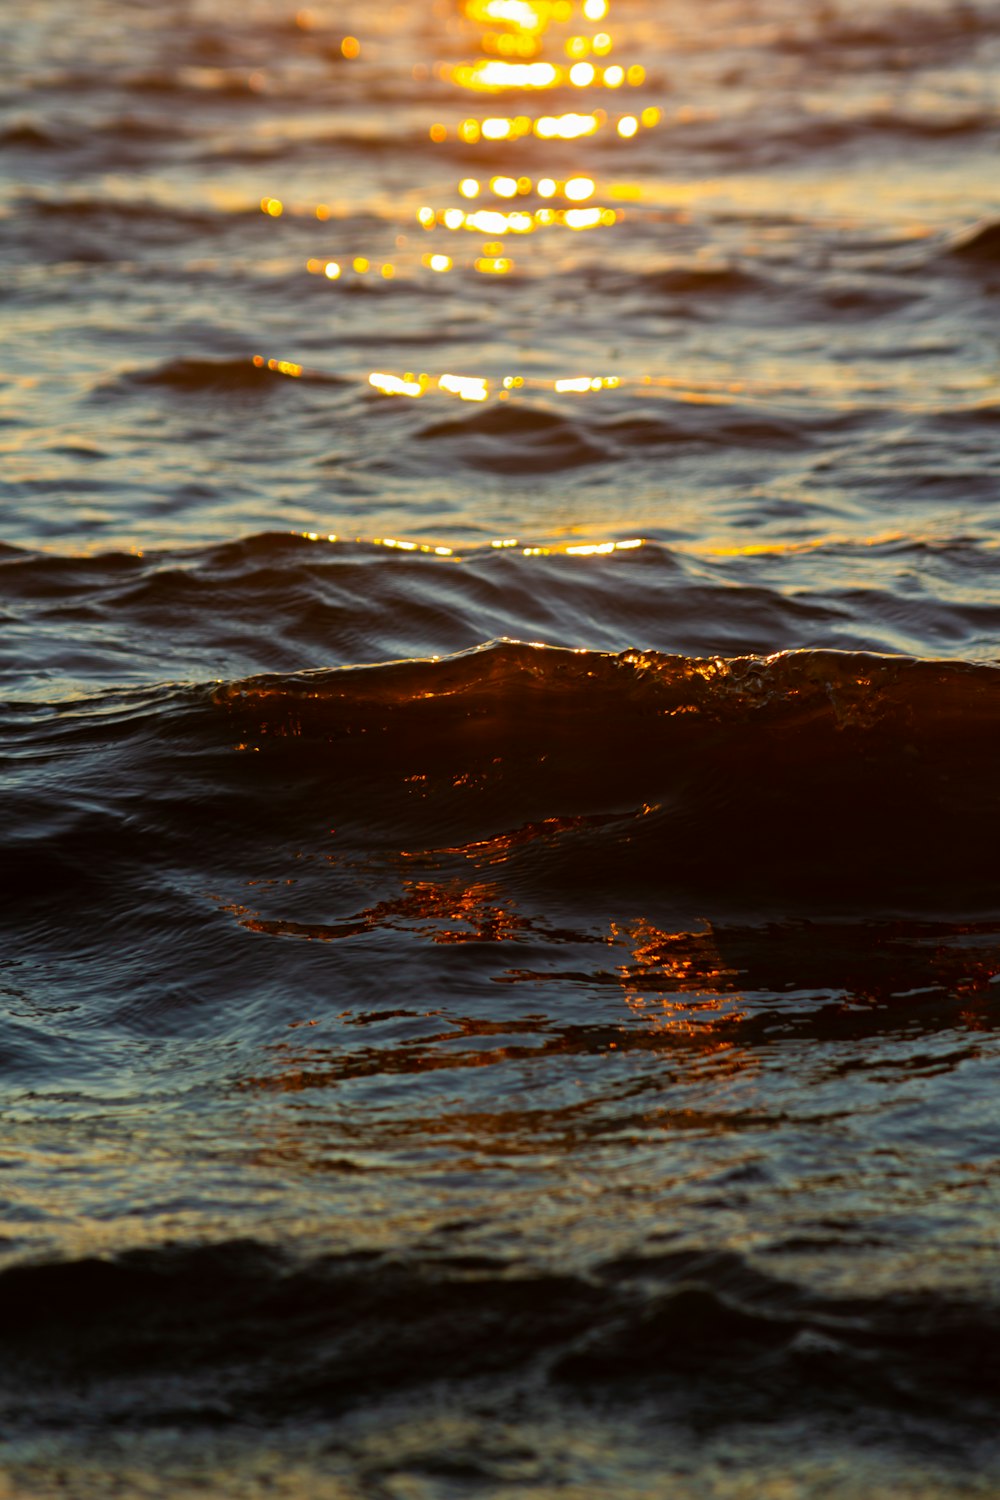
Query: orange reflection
<point x="710" y="1019"/>
<point x="689" y="962"/>
<point x="444" y="912"/>
<point x="705" y="1025"/>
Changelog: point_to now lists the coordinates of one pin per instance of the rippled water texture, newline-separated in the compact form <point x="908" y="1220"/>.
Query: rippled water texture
<point x="499" y="716"/>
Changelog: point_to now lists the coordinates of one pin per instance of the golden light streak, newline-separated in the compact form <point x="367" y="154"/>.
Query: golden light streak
<point x="490" y="221"/>
<point x="496" y="74"/>
<point x="495" y="221"/>
<point x="584" y="218"/>
<point x="517" y="12"/>
<point x="488" y="73"/>
<point x="567" y="127"/>
<point x="278" y="366"/>
<point x="400" y="546"/>
<point x="498" y="544"/>
<point x="392" y="385"/>
<point x="479" y="387"/>
<point x="466" y="387"/>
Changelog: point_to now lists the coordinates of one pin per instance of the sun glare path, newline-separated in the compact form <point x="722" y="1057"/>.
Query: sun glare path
<point x="525" y="47"/>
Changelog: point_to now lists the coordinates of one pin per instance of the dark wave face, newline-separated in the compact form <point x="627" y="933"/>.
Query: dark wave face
<point x="499" y="707"/>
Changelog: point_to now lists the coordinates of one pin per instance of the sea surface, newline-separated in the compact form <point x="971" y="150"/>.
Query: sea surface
<point x="499" y="726"/>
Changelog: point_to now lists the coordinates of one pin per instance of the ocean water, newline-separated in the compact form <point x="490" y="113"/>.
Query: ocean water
<point x="499" y="617"/>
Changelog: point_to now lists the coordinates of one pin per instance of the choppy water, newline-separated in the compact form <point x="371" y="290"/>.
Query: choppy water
<point x="501" y="926"/>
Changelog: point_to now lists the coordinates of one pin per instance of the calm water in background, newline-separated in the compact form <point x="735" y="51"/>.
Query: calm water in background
<point x="558" y="1053"/>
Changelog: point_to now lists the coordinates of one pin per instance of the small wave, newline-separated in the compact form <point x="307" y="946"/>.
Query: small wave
<point x="797" y="136"/>
<point x="187" y="79"/>
<point x="715" y="280"/>
<point x="146" y="211"/>
<point x="31" y="137"/>
<point x="717" y="423"/>
<point x="268" y="1334"/>
<point x="523" y="438"/>
<point x="518" y="439"/>
<point x="937" y="30"/>
<point x="192" y="375"/>
<point x="164" y="129"/>
<point x="980" y="244"/>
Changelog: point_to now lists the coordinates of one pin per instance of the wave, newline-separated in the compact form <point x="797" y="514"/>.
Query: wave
<point x="26" y="135"/>
<point x="812" y="133"/>
<point x="545" y="440"/>
<point x="697" y="280"/>
<point x="847" y="690"/>
<point x="80" y="226"/>
<point x="980" y="243"/>
<point x="332" y="602"/>
<point x="933" y="32"/>
<point x="819" y="772"/>
<point x="134" y="212"/>
<point x="528" y="437"/>
<point x="240" y="1329"/>
<point x="191" y="374"/>
<point x="796" y="135"/>
<point x="808" y="781"/>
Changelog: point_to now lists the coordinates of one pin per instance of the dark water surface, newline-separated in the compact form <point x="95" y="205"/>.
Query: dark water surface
<point x="501" y="915"/>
